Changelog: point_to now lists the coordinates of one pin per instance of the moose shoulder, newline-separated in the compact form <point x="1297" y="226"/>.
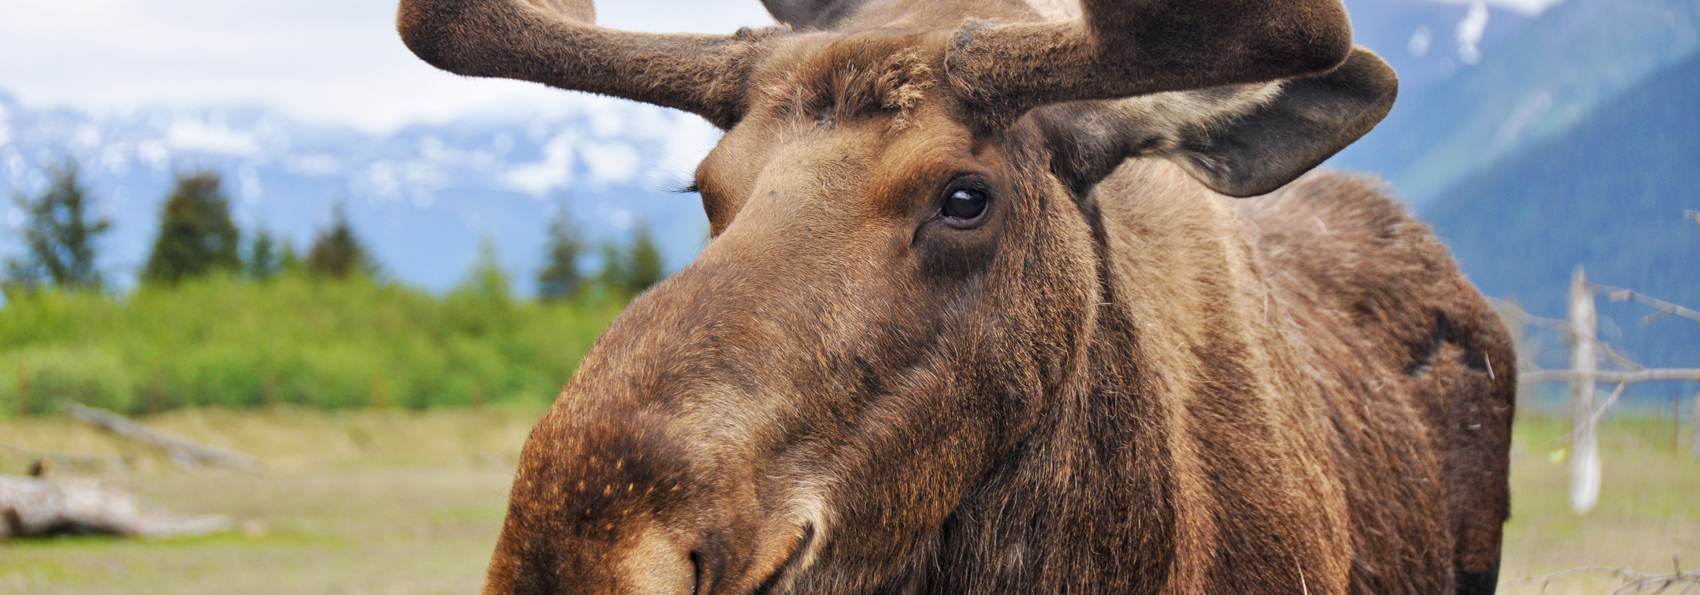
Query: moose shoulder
<point x="979" y="316"/>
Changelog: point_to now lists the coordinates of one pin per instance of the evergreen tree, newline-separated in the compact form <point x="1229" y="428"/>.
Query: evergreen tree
<point x="59" y="237"/>
<point x="488" y="280"/>
<point x="196" y="235"/>
<point x="338" y="253"/>
<point x="289" y="259"/>
<point x="615" y="276"/>
<point x="645" y="262"/>
<point x="264" y="258"/>
<point x="632" y="271"/>
<point x="560" y="278"/>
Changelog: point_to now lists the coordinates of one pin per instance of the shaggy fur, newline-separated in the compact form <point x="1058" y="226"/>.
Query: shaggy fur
<point x="1114" y="380"/>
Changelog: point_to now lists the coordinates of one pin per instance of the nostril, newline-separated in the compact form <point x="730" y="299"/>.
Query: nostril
<point x="696" y="571"/>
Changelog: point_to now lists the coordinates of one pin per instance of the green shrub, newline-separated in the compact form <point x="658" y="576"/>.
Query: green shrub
<point x="40" y="380"/>
<point x="333" y="343"/>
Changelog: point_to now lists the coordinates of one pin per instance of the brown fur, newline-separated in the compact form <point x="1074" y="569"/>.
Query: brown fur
<point x="1116" y="380"/>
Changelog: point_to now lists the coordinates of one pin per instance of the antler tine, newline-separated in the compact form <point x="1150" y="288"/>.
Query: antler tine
<point x="555" y="42"/>
<point x="1123" y="48"/>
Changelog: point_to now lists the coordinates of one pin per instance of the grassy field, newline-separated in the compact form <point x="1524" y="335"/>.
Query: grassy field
<point x="379" y="501"/>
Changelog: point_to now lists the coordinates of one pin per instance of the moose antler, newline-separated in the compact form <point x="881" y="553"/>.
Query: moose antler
<point x="1123" y="48"/>
<point x="555" y="42"/>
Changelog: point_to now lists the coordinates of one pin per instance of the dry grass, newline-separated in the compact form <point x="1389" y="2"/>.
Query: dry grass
<point x="377" y="502"/>
<point x="1648" y="517"/>
<point x="364" y="502"/>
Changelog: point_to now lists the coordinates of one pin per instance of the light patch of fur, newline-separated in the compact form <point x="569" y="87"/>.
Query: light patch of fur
<point x="656" y="565"/>
<point x="1056" y="10"/>
<point x="1170" y="116"/>
<point x="809" y="508"/>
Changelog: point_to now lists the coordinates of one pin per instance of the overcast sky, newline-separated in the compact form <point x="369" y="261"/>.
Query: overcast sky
<point x="325" y="61"/>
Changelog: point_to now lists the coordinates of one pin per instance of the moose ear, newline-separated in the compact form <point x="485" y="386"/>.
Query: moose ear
<point x="1242" y="140"/>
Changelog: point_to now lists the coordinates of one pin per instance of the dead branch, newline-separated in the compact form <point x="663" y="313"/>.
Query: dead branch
<point x="1593" y="417"/>
<point x="1665" y="308"/>
<point x="32" y="507"/>
<point x="1616" y="357"/>
<point x="1630" y="581"/>
<point x="1632" y="377"/>
<point x="183" y="452"/>
<point x="1530" y="319"/>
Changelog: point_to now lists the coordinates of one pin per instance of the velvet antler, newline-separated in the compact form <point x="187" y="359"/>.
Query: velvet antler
<point x="555" y="42"/>
<point x="1123" y="48"/>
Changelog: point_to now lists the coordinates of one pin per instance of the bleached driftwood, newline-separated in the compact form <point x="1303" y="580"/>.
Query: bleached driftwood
<point x="183" y="452"/>
<point x="31" y="506"/>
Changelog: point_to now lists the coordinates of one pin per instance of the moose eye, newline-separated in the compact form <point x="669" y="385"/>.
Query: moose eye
<point x="964" y="204"/>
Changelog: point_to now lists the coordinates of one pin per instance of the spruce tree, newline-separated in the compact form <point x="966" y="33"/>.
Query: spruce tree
<point x="560" y="278"/>
<point x="615" y="276"/>
<point x="59" y="236"/>
<point x="264" y="260"/>
<point x="645" y="269"/>
<point x="337" y="252"/>
<point x="632" y="271"/>
<point x="488" y="281"/>
<point x="196" y="234"/>
<point x="289" y="259"/>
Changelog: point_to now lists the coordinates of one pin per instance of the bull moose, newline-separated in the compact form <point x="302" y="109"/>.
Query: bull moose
<point x="980" y="316"/>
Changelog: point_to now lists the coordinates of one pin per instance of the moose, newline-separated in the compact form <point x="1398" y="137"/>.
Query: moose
<point x="1012" y="296"/>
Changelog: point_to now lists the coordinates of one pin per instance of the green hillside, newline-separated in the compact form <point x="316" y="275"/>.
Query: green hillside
<point x="1608" y="194"/>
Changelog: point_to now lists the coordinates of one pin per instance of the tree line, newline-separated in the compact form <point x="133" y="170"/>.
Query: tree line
<point x="198" y="237"/>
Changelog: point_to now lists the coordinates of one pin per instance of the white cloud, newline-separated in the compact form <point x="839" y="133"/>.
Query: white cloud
<point x="195" y="135"/>
<point x="5" y="127"/>
<point x="326" y="61"/>
<point x="1470" y="31"/>
<point x="316" y="165"/>
<point x="1524" y="7"/>
<point x="610" y="163"/>
<point x="154" y="153"/>
<point x="554" y="172"/>
<point x="1420" y="41"/>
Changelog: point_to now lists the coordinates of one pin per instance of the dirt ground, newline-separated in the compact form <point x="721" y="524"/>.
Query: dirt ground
<point x="377" y="502"/>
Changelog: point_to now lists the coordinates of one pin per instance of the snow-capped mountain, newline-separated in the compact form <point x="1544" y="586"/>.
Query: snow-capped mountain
<point x="1480" y="79"/>
<point x="1531" y="82"/>
<point x="421" y="197"/>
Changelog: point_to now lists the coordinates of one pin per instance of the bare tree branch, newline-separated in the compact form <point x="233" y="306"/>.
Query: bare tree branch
<point x="1616" y="357"/>
<point x="1619" y="294"/>
<point x="182" y="452"/>
<point x="1643" y="375"/>
<point x="1630" y="581"/>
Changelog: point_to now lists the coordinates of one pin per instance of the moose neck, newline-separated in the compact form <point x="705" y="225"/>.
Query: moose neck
<point x="1125" y="489"/>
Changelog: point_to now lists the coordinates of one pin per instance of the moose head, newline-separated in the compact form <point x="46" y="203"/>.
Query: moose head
<point x="895" y="337"/>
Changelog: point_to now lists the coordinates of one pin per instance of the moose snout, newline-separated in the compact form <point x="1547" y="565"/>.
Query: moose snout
<point x="615" y="503"/>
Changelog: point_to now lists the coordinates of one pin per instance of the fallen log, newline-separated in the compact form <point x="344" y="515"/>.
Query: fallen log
<point x="34" y="507"/>
<point x="183" y="452"/>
